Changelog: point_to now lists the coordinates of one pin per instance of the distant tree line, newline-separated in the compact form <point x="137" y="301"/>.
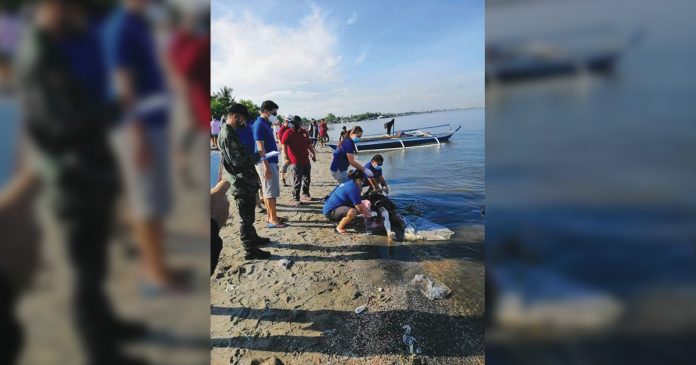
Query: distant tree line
<point x="221" y="100"/>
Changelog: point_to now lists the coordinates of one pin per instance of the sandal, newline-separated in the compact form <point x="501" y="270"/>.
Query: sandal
<point x="279" y="225"/>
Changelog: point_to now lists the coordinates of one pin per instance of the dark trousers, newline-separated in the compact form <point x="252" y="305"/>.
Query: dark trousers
<point x="301" y="180"/>
<point x="246" y="204"/>
<point x="10" y="329"/>
<point x="86" y="233"/>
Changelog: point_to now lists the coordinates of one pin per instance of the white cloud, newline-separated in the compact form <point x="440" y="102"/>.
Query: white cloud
<point x="361" y="57"/>
<point x="260" y="60"/>
<point x="353" y="18"/>
<point x="300" y="67"/>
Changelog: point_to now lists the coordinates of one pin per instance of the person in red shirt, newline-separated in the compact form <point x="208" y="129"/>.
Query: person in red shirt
<point x="284" y="160"/>
<point x="188" y="64"/>
<point x="322" y="132"/>
<point x="298" y="148"/>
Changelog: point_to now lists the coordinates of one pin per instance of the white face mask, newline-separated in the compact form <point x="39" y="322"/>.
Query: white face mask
<point x="272" y="118"/>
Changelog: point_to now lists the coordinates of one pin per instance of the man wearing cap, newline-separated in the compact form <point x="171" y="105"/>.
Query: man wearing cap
<point x="239" y="164"/>
<point x="297" y="148"/>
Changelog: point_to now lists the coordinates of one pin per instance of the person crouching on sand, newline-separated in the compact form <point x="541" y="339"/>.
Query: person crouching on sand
<point x="345" y="202"/>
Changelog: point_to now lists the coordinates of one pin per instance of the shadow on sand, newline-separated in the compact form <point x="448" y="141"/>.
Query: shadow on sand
<point x="394" y="251"/>
<point x="348" y="334"/>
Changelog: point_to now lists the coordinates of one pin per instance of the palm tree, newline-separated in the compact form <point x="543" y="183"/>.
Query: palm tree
<point x="220" y="101"/>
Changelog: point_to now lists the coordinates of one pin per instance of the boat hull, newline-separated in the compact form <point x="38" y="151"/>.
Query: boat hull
<point x="394" y="143"/>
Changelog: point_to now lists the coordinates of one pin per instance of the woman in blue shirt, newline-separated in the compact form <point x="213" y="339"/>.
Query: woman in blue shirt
<point x="345" y="201"/>
<point x="343" y="157"/>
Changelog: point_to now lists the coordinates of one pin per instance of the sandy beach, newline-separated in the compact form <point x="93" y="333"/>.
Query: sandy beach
<point x="305" y="314"/>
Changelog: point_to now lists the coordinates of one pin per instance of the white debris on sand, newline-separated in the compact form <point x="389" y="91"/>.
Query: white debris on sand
<point x="360" y="309"/>
<point x="419" y="228"/>
<point x="285" y="263"/>
<point x="430" y="287"/>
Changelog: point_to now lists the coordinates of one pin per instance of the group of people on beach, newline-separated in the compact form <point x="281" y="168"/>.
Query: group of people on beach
<point x="317" y="130"/>
<point x="256" y="166"/>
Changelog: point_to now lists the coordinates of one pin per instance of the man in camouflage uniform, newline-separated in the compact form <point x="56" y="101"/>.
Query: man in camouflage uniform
<point x="238" y="157"/>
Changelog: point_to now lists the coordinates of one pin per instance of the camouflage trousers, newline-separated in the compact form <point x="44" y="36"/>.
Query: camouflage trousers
<point x="246" y="205"/>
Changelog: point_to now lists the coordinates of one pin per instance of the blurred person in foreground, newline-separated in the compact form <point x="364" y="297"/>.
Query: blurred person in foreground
<point x="239" y="162"/>
<point x="268" y="168"/>
<point x="138" y="86"/>
<point x="219" y="211"/>
<point x="189" y="60"/>
<point x="297" y="148"/>
<point x="61" y="86"/>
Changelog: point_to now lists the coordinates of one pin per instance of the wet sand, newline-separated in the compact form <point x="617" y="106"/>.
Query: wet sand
<point x="305" y="314"/>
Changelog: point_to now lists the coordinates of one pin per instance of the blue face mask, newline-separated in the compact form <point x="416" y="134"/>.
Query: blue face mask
<point x="378" y="167"/>
<point x="356" y="139"/>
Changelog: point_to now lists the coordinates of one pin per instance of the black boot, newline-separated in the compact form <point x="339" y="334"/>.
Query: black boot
<point x="254" y="253"/>
<point x="260" y="241"/>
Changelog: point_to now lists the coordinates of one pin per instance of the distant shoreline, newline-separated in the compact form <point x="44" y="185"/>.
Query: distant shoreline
<point x="375" y="116"/>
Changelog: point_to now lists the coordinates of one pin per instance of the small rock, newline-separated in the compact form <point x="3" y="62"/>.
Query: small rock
<point x="380" y="289"/>
<point x="285" y="263"/>
<point x="360" y="309"/>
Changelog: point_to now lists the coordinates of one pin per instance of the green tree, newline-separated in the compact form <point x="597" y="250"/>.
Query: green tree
<point x="254" y="109"/>
<point x="216" y="108"/>
<point x="330" y="118"/>
<point x="220" y="101"/>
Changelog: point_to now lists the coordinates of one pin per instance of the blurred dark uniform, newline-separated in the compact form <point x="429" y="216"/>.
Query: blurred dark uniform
<point x="61" y="85"/>
<point x="239" y="164"/>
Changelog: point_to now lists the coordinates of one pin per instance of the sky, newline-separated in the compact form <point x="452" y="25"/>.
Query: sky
<point x="350" y="57"/>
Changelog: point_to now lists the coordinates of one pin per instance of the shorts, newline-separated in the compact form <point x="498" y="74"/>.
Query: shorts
<point x="269" y="188"/>
<point x="338" y="213"/>
<point x="340" y="176"/>
<point x="149" y="190"/>
<point x="213" y="135"/>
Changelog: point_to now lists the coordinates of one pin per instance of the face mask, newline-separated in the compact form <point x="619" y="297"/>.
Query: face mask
<point x="272" y="118"/>
<point x="378" y="167"/>
<point x="356" y="139"/>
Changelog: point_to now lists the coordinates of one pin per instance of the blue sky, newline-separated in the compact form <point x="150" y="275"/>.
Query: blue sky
<point x="348" y="57"/>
